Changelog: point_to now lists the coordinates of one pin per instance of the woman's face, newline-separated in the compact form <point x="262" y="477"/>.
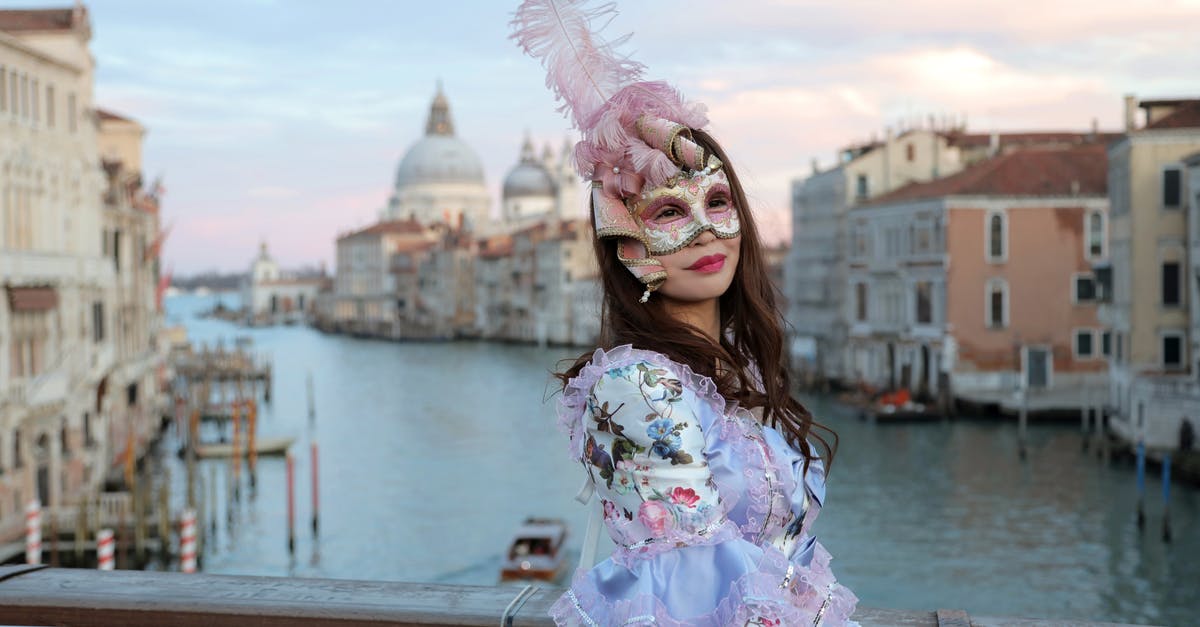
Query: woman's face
<point x="703" y="268"/>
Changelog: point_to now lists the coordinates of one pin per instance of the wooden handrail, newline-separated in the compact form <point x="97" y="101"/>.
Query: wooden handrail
<point x="33" y="595"/>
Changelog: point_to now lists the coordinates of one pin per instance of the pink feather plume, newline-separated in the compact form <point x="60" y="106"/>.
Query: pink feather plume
<point x="653" y="164"/>
<point x="582" y="69"/>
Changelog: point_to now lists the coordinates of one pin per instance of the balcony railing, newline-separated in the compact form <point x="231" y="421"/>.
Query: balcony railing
<point x="34" y="595"/>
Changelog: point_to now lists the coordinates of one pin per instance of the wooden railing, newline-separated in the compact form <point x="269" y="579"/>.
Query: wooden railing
<point x="34" y="595"/>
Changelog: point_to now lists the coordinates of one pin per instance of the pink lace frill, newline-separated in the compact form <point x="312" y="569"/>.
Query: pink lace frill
<point x="572" y="405"/>
<point x="735" y="425"/>
<point x="776" y="592"/>
<point x="760" y="461"/>
<point x="572" y="420"/>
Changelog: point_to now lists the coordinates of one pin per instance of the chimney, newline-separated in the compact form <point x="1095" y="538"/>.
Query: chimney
<point x="816" y="169"/>
<point x="1131" y="105"/>
<point x="887" y="162"/>
<point x="993" y="144"/>
<point x="1095" y="128"/>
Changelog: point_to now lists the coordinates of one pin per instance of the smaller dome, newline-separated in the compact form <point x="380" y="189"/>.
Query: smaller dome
<point x="529" y="177"/>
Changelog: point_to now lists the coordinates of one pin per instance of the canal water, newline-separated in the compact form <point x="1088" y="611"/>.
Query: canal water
<point x="431" y="455"/>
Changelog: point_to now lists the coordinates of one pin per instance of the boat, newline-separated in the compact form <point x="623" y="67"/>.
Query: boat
<point x="264" y="447"/>
<point x="536" y="551"/>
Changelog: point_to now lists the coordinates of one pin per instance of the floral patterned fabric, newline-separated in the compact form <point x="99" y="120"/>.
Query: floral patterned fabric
<point x="710" y="510"/>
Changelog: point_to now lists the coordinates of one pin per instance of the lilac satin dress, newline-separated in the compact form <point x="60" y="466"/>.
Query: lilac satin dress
<point x="710" y="511"/>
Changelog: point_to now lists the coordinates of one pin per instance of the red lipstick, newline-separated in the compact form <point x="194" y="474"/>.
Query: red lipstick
<point x="708" y="264"/>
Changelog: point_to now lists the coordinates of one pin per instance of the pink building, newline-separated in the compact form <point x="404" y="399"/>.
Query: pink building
<point x="979" y="284"/>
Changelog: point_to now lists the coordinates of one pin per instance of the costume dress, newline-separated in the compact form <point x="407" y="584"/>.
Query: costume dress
<point x="710" y="510"/>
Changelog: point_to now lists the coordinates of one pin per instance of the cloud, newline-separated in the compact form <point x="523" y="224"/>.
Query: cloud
<point x="298" y="136"/>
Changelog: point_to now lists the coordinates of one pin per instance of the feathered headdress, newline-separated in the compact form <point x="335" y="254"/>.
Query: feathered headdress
<point x="635" y="132"/>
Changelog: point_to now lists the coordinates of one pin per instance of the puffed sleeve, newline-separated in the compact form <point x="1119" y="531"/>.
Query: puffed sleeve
<point x="641" y="436"/>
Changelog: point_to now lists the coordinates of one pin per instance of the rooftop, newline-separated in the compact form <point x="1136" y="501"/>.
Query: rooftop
<point x="16" y="20"/>
<point x="1185" y="115"/>
<point x="409" y="226"/>
<point x="1075" y="171"/>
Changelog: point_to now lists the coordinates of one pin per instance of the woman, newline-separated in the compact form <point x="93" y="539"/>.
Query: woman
<point x="703" y="462"/>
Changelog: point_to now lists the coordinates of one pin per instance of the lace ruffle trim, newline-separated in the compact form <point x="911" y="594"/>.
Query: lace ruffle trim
<point x="572" y="405"/>
<point x="767" y="480"/>
<point x="775" y="593"/>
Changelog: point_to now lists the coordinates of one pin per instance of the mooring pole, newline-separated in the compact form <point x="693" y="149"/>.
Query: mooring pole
<point x="1141" y="484"/>
<point x="1166" y="489"/>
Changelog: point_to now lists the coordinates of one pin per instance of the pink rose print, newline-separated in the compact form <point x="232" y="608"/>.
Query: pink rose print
<point x="656" y="517"/>
<point x="684" y="496"/>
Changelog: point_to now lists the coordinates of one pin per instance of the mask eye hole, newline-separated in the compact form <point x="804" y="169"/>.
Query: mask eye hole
<point x="719" y="202"/>
<point x="666" y="214"/>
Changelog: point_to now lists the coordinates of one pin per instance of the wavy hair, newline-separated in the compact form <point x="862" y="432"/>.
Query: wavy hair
<point x="752" y="335"/>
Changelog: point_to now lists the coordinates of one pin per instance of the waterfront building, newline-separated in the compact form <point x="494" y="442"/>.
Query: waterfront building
<point x="130" y="393"/>
<point x="493" y="286"/>
<point x="521" y="322"/>
<point x="364" y="299"/>
<point x="270" y="295"/>
<point x="79" y="241"/>
<point x="446" y="287"/>
<point x="440" y="177"/>
<point x="1153" y="386"/>
<point x="979" y="284"/>
<point x="815" y="271"/>
<point x="566" y="306"/>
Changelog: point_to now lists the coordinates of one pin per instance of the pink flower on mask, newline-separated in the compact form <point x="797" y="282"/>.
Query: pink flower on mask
<point x="613" y="169"/>
<point x="657" y="517"/>
<point x="684" y="496"/>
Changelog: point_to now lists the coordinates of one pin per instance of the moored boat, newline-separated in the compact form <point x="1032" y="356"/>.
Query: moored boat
<point x="536" y="551"/>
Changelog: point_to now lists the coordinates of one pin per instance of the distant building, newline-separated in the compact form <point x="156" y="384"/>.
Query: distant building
<point x="364" y="299"/>
<point x="527" y="276"/>
<point x="979" y="284"/>
<point x="814" y="270"/>
<point x="539" y="190"/>
<point x="79" y="241"/>
<point x="1149" y="285"/>
<point x="270" y="296"/>
<point x="440" y="178"/>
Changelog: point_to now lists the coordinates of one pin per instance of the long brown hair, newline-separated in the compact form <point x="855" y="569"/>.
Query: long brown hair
<point x="751" y="324"/>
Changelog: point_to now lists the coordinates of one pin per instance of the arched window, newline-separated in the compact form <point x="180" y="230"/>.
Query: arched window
<point x="1095" y="234"/>
<point x="996" y="248"/>
<point x="996" y="305"/>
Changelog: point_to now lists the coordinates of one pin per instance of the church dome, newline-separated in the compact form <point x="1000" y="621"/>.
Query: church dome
<point x="439" y="156"/>
<point x="528" y="177"/>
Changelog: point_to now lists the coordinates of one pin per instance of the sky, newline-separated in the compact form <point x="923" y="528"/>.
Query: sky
<point x="284" y="120"/>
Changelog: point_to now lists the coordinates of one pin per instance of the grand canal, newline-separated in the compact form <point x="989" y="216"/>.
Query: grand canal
<point x="431" y="454"/>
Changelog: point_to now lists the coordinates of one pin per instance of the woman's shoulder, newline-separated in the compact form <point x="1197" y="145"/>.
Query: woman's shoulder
<point x="637" y="366"/>
<point x="612" y="374"/>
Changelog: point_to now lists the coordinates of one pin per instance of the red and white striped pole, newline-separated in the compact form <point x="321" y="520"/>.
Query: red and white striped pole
<point x="33" y="532"/>
<point x="105" y="549"/>
<point x="187" y="542"/>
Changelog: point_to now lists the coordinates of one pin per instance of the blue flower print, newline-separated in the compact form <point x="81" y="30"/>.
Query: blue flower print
<point x="622" y="373"/>
<point x="660" y="428"/>
<point x="667" y="445"/>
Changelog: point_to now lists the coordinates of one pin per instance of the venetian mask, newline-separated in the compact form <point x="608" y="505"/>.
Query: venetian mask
<point x="677" y="212"/>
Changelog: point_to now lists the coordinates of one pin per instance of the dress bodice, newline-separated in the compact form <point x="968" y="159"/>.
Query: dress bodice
<point x="685" y="477"/>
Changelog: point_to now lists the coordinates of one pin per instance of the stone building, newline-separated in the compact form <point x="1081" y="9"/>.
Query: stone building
<point x="1152" y="273"/>
<point x="79" y="241"/>
<point x="981" y="281"/>
<point x="440" y="177"/>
